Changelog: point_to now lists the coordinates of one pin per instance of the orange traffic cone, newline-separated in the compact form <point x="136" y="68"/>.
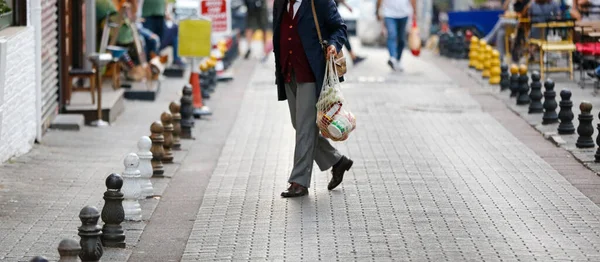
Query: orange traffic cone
<point x="199" y="108"/>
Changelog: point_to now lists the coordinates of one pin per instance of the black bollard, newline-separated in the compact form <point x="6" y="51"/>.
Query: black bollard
<point x="566" y="115"/>
<point x="597" y="155"/>
<point x="514" y="80"/>
<point x="113" y="213"/>
<point x="585" y="128"/>
<point x="523" y="96"/>
<point x="536" y="94"/>
<point x="550" y="116"/>
<point x="68" y="249"/>
<point x="212" y="72"/>
<point x="186" y="110"/>
<point x="504" y="77"/>
<point x="175" y="109"/>
<point x="90" y="232"/>
<point x="38" y="259"/>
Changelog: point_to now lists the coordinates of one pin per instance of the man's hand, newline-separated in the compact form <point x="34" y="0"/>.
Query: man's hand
<point x="331" y="51"/>
<point x="378" y="16"/>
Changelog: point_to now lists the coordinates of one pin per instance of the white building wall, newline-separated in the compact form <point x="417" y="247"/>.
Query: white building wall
<point x="17" y="91"/>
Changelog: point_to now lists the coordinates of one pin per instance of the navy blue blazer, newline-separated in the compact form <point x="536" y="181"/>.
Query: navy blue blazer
<point x="333" y="30"/>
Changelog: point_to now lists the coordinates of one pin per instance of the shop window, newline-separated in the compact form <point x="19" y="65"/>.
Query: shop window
<point x="13" y="13"/>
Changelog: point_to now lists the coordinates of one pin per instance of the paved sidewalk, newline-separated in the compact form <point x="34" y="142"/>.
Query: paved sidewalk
<point x="435" y="178"/>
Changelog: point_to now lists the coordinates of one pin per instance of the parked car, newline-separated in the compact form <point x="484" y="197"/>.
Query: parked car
<point x="183" y="9"/>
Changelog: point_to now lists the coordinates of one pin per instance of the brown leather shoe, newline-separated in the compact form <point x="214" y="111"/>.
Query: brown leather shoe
<point x="338" y="171"/>
<point x="295" y="190"/>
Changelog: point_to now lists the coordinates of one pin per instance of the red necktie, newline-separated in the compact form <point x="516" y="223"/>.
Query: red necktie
<point x="291" y="9"/>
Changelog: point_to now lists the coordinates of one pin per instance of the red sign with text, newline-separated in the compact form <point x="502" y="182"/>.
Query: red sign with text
<point x="216" y="10"/>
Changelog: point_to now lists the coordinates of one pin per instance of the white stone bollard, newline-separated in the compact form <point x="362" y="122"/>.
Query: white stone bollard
<point x="131" y="188"/>
<point x="144" y="145"/>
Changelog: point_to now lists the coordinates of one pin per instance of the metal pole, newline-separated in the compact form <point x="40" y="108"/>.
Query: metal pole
<point x="36" y="22"/>
<point x="90" y="30"/>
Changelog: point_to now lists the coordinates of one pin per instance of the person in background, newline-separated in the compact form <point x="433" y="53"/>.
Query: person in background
<point x="520" y="7"/>
<point x="586" y="10"/>
<point x="498" y="33"/>
<point x="106" y="12"/>
<point x="256" y="19"/>
<point x="395" y="14"/>
<point x="153" y="15"/>
<point x="542" y="11"/>
<point x="355" y="59"/>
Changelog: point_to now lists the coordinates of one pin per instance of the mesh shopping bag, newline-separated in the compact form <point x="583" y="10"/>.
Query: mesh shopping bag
<point x="334" y="119"/>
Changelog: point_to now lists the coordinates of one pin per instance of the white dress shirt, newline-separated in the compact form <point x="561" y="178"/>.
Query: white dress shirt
<point x="296" y="7"/>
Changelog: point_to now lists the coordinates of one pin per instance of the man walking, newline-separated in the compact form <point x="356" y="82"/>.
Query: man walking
<point x="395" y="16"/>
<point x="300" y="69"/>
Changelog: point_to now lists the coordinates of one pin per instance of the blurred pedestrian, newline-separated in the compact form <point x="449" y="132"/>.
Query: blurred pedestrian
<point x="300" y="70"/>
<point x="153" y="14"/>
<point x="256" y="19"/>
<point x="355" y="59"/>
<point x="395" y="15"/>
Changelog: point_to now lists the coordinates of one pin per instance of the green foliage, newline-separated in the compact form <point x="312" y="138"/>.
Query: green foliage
<point x="4" y="7"/>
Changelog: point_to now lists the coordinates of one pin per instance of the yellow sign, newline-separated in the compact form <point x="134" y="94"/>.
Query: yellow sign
<point x="195" y="38"/>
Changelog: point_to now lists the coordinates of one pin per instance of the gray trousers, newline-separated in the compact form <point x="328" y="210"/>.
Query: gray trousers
<point x="310" y="145"/>
<point x="498" y="32"/>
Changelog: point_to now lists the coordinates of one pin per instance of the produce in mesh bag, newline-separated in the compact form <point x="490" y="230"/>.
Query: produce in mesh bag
<point x="333" y="119"/>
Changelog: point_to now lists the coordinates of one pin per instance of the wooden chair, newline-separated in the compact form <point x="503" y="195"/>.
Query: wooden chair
<point x="565" y="45"/>
<point x="80" y="74"/>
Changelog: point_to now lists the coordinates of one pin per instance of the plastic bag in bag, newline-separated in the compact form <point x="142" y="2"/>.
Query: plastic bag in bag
<point x="414" y="40"/>
<point x="333" y="117"/>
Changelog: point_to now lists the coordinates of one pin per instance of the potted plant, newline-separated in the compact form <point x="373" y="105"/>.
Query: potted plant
<point x="5" y="15"/>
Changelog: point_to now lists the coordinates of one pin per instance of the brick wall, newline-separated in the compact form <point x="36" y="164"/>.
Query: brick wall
<point x="17" y="91"/>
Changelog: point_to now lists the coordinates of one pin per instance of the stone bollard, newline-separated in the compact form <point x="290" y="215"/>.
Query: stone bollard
<point x="523" y="96"/>
<point x="167" y="122"/>
<point x="131" y="188"/>
<point x="187" y="111"/>
<point x="514" y="80"/>
<point x="90" y="232"/>
<point x="174" y="108"/>
<point x="504" y="77"/>
<point x="550" y="116"/>
<point x="585" y="128"/>
<point x="157" y="148"/>
<point x="486" y="62"/>
<point x="536" y="95"/>
<point x="566" y="115"/>
<point x="69" y="249"/>
<point x="495" y="70"/>
<point x="113" y="213"/>
<point x="38" y="259"/>
<point x="144" y="145"/>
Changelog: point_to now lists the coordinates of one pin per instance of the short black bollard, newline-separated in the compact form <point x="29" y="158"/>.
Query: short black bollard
<point x="38" y="259"/>
<point x="523" y="96"/>
<point x="186" y="111"/>
<point x="504" y="77"/>
<point x="566" y="115"/>
<point x="174" y="109"/>
<point x="597" y="155"/>
<point x="536" y="94"/>
<point x="69" y="249"/>
<point x="113" y="213"/>
<point x="514" y="80"/>
<point x="90" y="232"/>
<point x="585" y="128"/>
<point x="550" y="116"/>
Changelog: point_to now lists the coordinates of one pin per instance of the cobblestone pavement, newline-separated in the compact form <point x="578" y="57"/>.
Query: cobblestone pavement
<point x="435" y="178"/>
